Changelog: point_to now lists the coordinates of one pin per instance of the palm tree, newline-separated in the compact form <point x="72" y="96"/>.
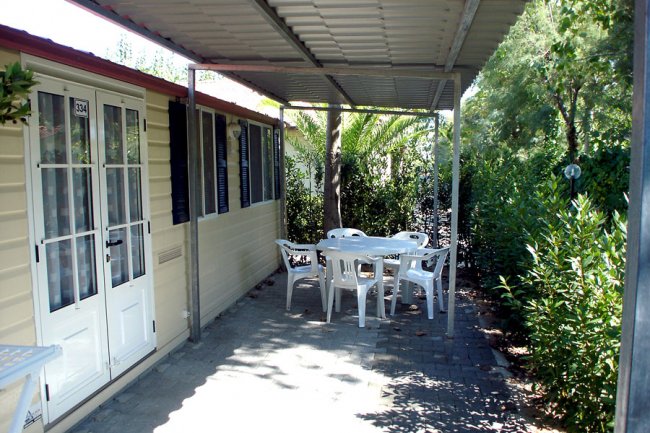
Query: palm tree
<point x="374" y="151"/>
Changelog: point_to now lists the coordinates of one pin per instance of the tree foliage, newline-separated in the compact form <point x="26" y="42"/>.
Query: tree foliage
<point x="557" y="90"/>
<point x="380" y="170"/>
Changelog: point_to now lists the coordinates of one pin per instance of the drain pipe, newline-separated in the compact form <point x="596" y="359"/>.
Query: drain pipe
<point x="195" y="312"/>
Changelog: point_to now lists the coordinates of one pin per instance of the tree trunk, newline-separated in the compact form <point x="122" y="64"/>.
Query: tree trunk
<point x="569" y="116"/>
<point x="332" y="187"/>
<point x="586" y="130"/>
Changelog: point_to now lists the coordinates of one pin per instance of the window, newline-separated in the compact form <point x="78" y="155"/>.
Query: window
<point x="261" y="163"/>
<point x="212" y="164"/>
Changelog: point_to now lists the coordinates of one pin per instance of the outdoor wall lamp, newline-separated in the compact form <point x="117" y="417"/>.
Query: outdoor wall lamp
<point x="234" y="130"/>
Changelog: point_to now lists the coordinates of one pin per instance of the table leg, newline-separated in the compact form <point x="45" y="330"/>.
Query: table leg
<point x="407" y="292"/>
<point x="379" y="270"/>
<point x="23" y="403"/>
<point x="329" y="288"/>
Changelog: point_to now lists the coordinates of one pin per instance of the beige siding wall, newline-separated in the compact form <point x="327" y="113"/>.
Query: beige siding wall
<point x="170" y="278"/>
<point x="236" y="249"/>
<point x="16" y="306"/>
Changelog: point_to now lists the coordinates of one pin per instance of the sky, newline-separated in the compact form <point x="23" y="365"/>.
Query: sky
<point x="73" y="26"/>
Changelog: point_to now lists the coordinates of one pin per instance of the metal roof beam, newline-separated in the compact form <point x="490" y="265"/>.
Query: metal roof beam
<point x="466" y="20"/>
<point x="366" y="72"/>
<point x="269" y="14"/>
<point x="469" y="12"/>
<point x="360" y="110"/>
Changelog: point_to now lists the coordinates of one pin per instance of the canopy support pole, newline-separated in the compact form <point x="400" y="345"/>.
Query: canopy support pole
<point x="436" y="204"/>
<point x="455" y="183"/>
<point x="283" y="182"/>
<point x="632" y="403"/>
<point x="193" y="171"/>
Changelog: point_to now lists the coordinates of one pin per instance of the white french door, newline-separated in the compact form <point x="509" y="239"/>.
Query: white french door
<point x="93" y="282"/>
<point x="127" y="273"/>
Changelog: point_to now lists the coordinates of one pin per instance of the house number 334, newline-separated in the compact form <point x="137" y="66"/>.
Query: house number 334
<point x="81" y="108"/>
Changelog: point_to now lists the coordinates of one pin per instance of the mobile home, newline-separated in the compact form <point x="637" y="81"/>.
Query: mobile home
<point x="93" y="221"/>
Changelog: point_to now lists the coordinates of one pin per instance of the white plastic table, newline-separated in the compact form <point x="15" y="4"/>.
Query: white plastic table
<point x="17" y="362"/>
<point x="371" y="246"/>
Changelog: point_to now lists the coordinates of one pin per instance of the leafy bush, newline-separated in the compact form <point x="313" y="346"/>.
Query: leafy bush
<point x="605" y="177"/>
<point x="573" y="307"/>
<point x="505" y="210"/>
<point x="304" y="210"/>
<point x="15" y="85"/>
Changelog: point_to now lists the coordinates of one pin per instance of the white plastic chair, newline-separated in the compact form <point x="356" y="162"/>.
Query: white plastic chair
<point x="294" y="273"/>
<point x="422" y="240"/>
<point x="344" y="233"/>
<point x="410" y="269"/>
<point x="345" y="276"/>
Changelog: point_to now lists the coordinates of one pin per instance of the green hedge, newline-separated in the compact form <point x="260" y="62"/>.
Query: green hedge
<point x="574" y="322"/>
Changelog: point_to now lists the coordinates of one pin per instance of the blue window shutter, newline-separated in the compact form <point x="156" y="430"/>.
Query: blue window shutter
<point x="178" y="161"/>
<point x="244" y="171"/>
<point x="276" y="161"/>
<point x="222" y="163"/>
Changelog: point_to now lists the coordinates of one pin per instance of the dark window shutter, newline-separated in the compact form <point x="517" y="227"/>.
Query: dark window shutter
<point x="244" y="171"/>
<point x="222" y="163"/>
<point x="178" y="160"/>
<point x="276" y="161"/>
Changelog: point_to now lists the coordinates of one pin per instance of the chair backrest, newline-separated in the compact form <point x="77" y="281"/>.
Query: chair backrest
<point x="442" y="256"/>
<point x="421" y="238"/>
<point x="428" y="255"/>
<point x="344" y="268"/>
<point x="344" y="233"/>
<point x="289" y="249"/>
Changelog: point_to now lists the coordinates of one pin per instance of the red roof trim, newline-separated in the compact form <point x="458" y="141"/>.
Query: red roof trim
<point x="22" y="41"/>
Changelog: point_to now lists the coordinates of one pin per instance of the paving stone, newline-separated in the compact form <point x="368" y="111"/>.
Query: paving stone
<point x="261" y="368"/>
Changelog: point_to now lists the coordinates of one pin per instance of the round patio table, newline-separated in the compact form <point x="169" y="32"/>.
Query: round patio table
<point x="371" y="246"/>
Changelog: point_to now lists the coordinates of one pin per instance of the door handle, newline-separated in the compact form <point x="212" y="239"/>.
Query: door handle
<point x="114" y="243"/>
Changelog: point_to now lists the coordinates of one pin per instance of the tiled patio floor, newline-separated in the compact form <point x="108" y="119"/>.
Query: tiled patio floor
<point x="260" y="368"/>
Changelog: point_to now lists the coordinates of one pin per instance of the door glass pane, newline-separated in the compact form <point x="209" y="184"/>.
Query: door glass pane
<point x="59" y="274"/>
<point x="86" y="266"/>
<point x="137" y="250"/>
<point x="79" y="131"/>
<point x="83" y="199"/>
<point x="135" y="195"/>
<point x="115" y="196"/>
<point x="113" y="135"/>
<point x="208" y="164"/>
<point x="56" y="212"/>
<point x="51" y="128"/>
<point x="119" y="256"/>
<point x="132" y="137"/>
<point x="267" y="156"/>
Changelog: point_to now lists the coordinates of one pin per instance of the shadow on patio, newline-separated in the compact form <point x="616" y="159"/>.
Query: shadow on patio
<point x="260" y="368"/>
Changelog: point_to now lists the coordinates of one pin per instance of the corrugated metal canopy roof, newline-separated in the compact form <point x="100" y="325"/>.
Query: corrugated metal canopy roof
<point x="387" y="35"/>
